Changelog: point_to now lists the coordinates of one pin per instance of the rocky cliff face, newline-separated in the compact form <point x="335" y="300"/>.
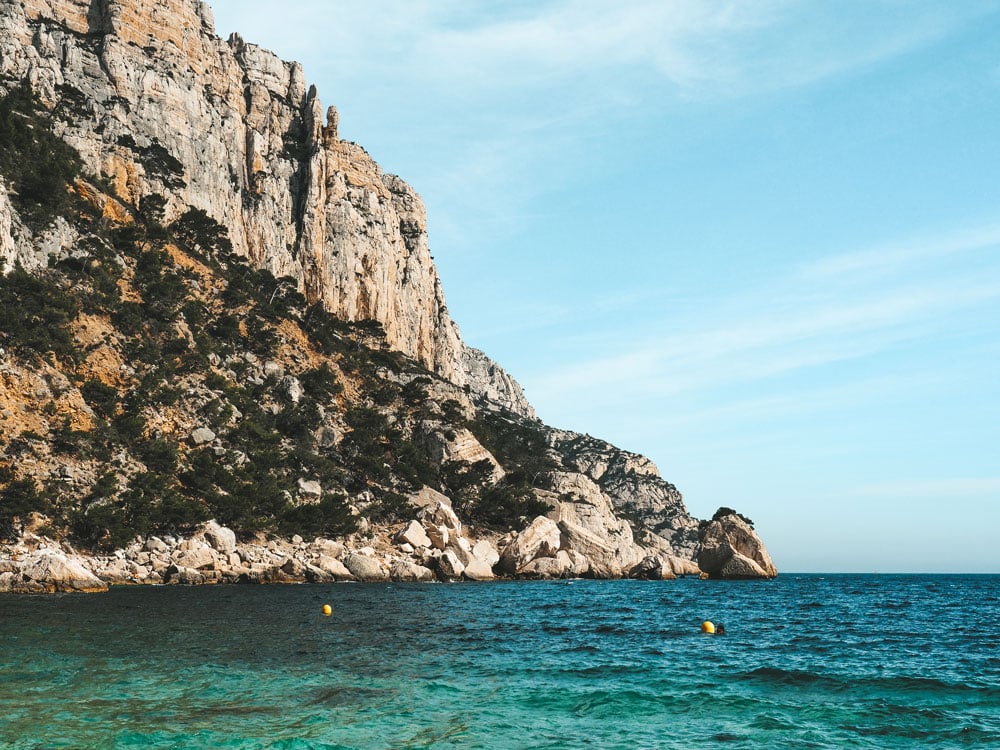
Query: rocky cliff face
<point x="161" y="107"/>
<point x="636" y="491"/>
<point x="167" y="382"/>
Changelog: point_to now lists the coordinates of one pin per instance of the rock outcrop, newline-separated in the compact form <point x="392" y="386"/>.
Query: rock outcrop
<point x="544" y="549"/>
<point x="588" y="526"/>
<point x="365" y="568"/>
<point x="730" y="548"/>
<point x="59" y="572"/>
<point x="540" y="539"/>
<point x="634" y="487"/>
<point x="11" y="250"/>
<point x="159" y="106"/>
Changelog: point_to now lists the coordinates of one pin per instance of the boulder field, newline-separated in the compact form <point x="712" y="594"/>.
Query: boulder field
<point x="434" y="546"/>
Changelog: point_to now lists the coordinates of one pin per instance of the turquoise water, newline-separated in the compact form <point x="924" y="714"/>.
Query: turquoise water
<point x="808" y="661"/>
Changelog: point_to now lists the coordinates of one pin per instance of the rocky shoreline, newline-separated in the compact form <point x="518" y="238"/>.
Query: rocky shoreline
<point x="435" y="546"/>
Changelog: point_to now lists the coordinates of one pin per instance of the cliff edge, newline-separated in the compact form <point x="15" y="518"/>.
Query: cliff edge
<point x="166" y="111"/>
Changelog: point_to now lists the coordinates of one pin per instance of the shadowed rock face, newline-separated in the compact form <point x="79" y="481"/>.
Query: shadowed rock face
<point x="160" y="106"/>
<point x="730" y="548"/>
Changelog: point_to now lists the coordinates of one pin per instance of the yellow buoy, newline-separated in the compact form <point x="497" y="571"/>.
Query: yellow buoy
<point x="327" y="610"/>
<point x="708" y="627"/>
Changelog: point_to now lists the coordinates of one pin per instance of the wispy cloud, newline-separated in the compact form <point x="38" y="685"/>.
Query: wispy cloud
<point x="497" y="95"/>
<point x="941" y="489"/>
<point x="803" y="403"/>
<point x="492" y="93"/>
<point x="720" y="47"/>
<point x="890" y="257"/>
<point x="796" y="324"/>
<point x="751" y="347"/>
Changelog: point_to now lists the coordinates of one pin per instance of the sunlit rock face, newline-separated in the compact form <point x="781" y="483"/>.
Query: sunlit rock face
<point x="160" y="106"/>
<point x="730" y="548"/>
<point x="635" y="489"/>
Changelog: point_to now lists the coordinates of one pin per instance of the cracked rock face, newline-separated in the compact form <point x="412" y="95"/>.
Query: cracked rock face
<point x="589" y="526"/>
<point x="160" y="106"/>
<point x="730" y="548"/>
<point x="634" y="487"/>
<point x="61" y="572"/>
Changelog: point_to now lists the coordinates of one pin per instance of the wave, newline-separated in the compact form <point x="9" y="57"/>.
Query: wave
<point x="582" y="648"/>
<point x="901" y="683"/>
<point x="612" y="630"/>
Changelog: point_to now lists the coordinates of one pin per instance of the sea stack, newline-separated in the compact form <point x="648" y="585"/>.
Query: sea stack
<point x="730" y="548"/>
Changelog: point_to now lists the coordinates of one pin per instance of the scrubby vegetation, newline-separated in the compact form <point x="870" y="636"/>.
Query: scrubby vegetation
<point x="36" y="164"/>
<point x="34" y="322"/>
<point x="289" y="398"/>
<point x="18" y="499"/>
<point x="724" y="511"/>
<point x="307" y="422"/>
<point x="520" y="447"/>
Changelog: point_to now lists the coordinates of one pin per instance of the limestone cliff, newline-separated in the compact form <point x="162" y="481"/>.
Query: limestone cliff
<point x="161" y="107"/>
<point x="169" y="381"/>
<point x="634" y="486"/>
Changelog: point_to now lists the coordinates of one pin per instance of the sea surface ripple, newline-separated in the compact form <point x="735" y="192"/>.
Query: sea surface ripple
<point x="809" y="661"/>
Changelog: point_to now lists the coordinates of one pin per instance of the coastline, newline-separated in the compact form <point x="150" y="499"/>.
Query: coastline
<point x="212" y="555"/>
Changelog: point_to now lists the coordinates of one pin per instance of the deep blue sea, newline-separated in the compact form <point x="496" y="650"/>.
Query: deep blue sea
<point x="809" y="661"/>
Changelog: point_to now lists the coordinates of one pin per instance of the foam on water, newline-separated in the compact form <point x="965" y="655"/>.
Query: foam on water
<point x="809" y="661"/>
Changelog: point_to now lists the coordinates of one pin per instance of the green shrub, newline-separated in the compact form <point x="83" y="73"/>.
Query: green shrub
<point x="507" y="506"/>
<point x="321" y="383"/>
<point x="18" y="499"/>
<point x="386" y="393"/>
<point x="414" y="393"/>
<point x="330" y="518"/>
<point x="463" y="481"/>
<point x="152" y="211"/>
<point x="103" y="399"/>
<point x="261" y="338"/>
<point x="160" y="456"/>
<point x="104" y="488"/>
<point x="298" y="422"/>
<point x="65" y="440"/>
<point x="34" y="320"/>
<point x="159" y="162"/>
<point x="150" y="504"/>
<point x="389" y="507"/>
<point x="129" y="318"/>
<point x="724" y="511"/>
<point x="515" y="442"/>
<point x="37" y="164"/>
<point x="326" y="332"/>
<point x="200" y="232"/>
<point x="411" y="464"/>
<point x="129" y="426"/>
<point x="176" y="514"/>
<point x="127" y="238"/>
<point x="103" y="525"/>
<point x="226" y="330"/>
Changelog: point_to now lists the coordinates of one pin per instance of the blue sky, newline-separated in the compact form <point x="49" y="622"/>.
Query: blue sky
<point x="758" y="242"/>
